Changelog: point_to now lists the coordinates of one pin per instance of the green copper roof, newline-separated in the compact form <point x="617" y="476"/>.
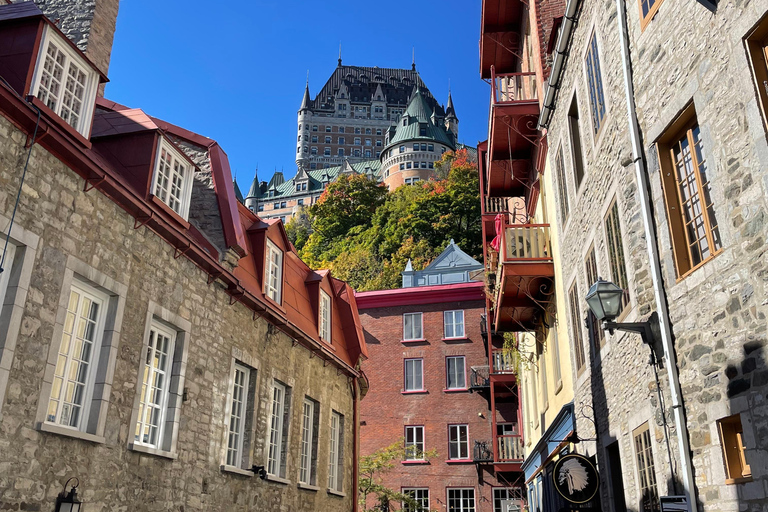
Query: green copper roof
<point x="418" y="115"/>
<point x="319" y="176"/>
<point x="238" y="194"/>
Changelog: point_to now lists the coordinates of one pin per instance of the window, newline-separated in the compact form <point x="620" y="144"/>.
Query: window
<point x="414" y="443"/>
<point x="325" y="316"/>
<point x="414" y="375"/>
<point x="595" y="88"/>
<point x="74" y="376"/>
<point x="408" y="165"/>
<point x="648" y="9"/>
<point x="341" y="140"/>
<point x="300" y="202"/>
<point x="507" y="499"/>
<point x="734" y="451"/>
<point x="367" y="131"/>
<point x="327" y="152"/>
<point x="356" y="152"/>
<point x="261" y="208"/>
<point x="378" y="143"/>
<point x="173" y="179"/>
<point x="645" y="469"/>
<point x="240" y="423"/>
<point x="578" y="346"/>
<point x="276" y="206"/>
<point x="461" y="500"/>
<point x="561" y="186"/>
<point x="273" y="279"/>
<point x="453" y="324"/>
<point x="314" y="139"/>
<point x="357" y="141"/>
<point x="341" y="130"/>
<point x="402" y="149"/>
<point x="304" y="186"/>
<point x="336" y="454"/>
<point x="327" y="140"/>
<point x="402" y="167"/>
<point x="368" y="142"/>
<point x="616" y="253"/>
<point x="430" y="147"/>
<point x="596" y="333"/>
<point x="458" y="442"/>
<point x="368" y="153"/>
<point x="378" y="130"/>
<point x="575" y="133"/>
<point x="420" y="496"/>
<point x="328" y="129"/>
<point x="415" y="147"/>
<point x="283" y="204"/>
<point x="314" y="128"/>
<point x="422" y="132"/>
<point x="431" y="165"/>
<point x="423" y="147"/>
<point x="313" y="151"/>
<point x="309" y="425"/>
<point x="278" y="429"/>
<point x="694" y="230"/>
<point x="65" y="83"/>
<point x="412" y="327"/>
<point x="357" y="130"/>
<point x="341" y="152"/>
<point x="455" y="372"/>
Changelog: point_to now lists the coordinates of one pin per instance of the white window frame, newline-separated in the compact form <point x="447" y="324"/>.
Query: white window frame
<point x="459" y="445"/>
<point x="462" y="491"/>
<point x="273" y="273"/>
<point x="147" y="374"/>
<point x="450" y="320"/>
<point x="417" y="453"/>
<point x="417" y="386"/>
<point x="410" y="336"/>
<point x="418" y="494"/>
<point x="238" y="410"/>
<point x="65" y="361"/>
<point x="325" y="316"/>
<point x="463" y="366"/>
<point x="185" y="194"/>
<point x="335" y="454"/>
<point x="308" y="470"/>
<point x="83" y="125"/>
<point x="276" y="430"/>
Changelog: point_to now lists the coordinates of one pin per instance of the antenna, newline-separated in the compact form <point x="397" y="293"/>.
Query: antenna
<point x="413" y="59"/>
<point x="339" y="53"/>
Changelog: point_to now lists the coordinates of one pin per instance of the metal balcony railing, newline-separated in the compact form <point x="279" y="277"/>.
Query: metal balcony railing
<point x="502" y="361"/>
<point x="511" y="88"/>
<point x="480" y="377"/>
<point x="510" y="448"/>
<point x="527" y="242"/>
<point x="483" y="451"/>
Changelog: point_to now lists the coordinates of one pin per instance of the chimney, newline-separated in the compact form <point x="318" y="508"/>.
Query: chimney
<point x="90" y="24"/>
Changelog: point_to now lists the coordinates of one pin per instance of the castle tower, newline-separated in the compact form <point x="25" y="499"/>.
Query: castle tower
<point x="305" y="118"/>
<point x="451" y="121"/>
<point x="90" y="24"/>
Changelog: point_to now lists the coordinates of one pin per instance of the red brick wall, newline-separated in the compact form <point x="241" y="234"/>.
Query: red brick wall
<point x="385" y="411"/>
<point x="546" y="12"/>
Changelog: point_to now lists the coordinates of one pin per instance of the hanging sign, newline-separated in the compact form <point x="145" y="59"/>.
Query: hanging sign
<point x="575" y="478"/>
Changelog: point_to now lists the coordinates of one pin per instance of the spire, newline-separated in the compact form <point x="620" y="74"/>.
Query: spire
<point x="339" y="53"/>
<point x="238" y="193"/>
<point x="306" y="100"/>
<point x="449" y="110"/>
<point x="413" y="59"/>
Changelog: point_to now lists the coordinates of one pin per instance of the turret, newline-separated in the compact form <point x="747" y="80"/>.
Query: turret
<point x="451" y="121"/>
<point x="305" y="117"/>
<point x="254" y="194"/>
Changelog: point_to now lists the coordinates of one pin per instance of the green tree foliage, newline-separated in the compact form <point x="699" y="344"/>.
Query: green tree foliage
<point x="299" y="228"/>
<point x="366" y="234"/>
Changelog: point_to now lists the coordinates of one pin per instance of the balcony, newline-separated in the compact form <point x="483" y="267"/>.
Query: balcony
<point x="502" y="361"/>
<point x="479" y="378"/>
<point x="509" y="449"/>
<point x="483" y="452"/>
<point x="512" y="134"/>
<point x="500" y="41"/>
<point x="524" y="284"/>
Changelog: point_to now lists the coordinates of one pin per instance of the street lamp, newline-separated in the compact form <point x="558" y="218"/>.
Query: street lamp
<point x="604" y="300"/>
<point x="68" y="501"/>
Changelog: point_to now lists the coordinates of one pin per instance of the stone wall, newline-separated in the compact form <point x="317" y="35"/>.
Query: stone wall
<point x="34" y="464"/>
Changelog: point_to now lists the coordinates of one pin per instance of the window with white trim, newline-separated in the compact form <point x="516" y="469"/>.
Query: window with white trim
<point x="309" y="425"/>
<point x="420" y="495"/>
<point x="155" y="386"/>
<point x="414" y="442"/>
<point x="458" y="442"/>
<point x="453" y="324"/>
<point x="336" y="454"/>
<point x="65" y="83"/>
<point x="241" y="408"/>
<point x="73" y="380"/>
<point x="507" y="499"/>
<point x="325" y="316"/>
<point x="278" y="429"/>
<point x="455" y="373"/>
<point x="172" y="183"/>
<point x="414" y="375"/>
<point x="461" y="500"/>
<point x="412" y="326"/>
<point x="273" y="279"/>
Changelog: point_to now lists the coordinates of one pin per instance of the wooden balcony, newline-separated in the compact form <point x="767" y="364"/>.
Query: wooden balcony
<point x="508" y="453"/>
<point x="524" y="284"/>
<point x="512" y="134"/>
<point x="500" y="39"/>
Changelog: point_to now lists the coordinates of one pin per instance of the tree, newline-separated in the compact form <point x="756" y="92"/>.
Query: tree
<point x="299" y="228"/>
<point x="373" y="467"/>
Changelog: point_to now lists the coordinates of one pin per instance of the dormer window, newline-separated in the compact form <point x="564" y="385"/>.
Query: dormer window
<point x="173" y="179"/>
<point x="65" y="82"/>
<point x="325" y="316"/>
<point x="273" y="278"/>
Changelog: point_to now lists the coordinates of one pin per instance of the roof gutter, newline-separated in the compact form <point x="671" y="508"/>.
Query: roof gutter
<point x="561" y="55"/>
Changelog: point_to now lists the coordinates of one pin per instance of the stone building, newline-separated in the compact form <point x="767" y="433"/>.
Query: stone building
<point x="430" y="387"/>
<point x="163" y="348"/>
<point x="655" y="118"/>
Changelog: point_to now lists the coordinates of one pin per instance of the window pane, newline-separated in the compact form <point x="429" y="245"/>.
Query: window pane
<point x="155" y="386"/>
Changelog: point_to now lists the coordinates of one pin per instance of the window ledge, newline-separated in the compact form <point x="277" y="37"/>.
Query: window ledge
<point x="308" y="487"/>
<point x="742" y="480"/>
<point x="69" y="432"/>
<point x="235" y="470"/>
<point x="415" y="392"/>
<point x="152" y="451"/>
<point x="337" y="493"/>
<point x="559" y="386"/>
<point x="60" y="122"/>
<point x="277" y="479"/>
<point x="455" y="390"/>
<point x="419" y="340"/>
<point x="448" y="340"/>
<point x="414" y="462"/>
<point x="459" y="461"/>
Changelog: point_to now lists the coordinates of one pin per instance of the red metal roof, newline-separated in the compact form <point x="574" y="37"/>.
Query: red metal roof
<point x="421" y="295"/>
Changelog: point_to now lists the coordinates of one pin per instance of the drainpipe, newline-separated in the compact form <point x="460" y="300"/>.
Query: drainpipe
<point x="355" y="444"/>
<point x="653" y="255"/>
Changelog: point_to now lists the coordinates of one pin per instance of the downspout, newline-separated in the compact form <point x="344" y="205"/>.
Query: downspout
<point x="653" y="255"/>
<point x="355" y="444"/>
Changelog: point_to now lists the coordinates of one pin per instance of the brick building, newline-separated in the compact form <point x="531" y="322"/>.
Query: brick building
<point x="162" y="347"/>
<point x="428" y="372"/>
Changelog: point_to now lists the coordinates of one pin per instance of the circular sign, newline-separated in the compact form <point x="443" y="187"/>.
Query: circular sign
<point x="575" y="478"/>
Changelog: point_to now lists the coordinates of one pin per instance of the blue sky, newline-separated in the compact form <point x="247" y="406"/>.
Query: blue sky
<point x="235" y="70"/>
